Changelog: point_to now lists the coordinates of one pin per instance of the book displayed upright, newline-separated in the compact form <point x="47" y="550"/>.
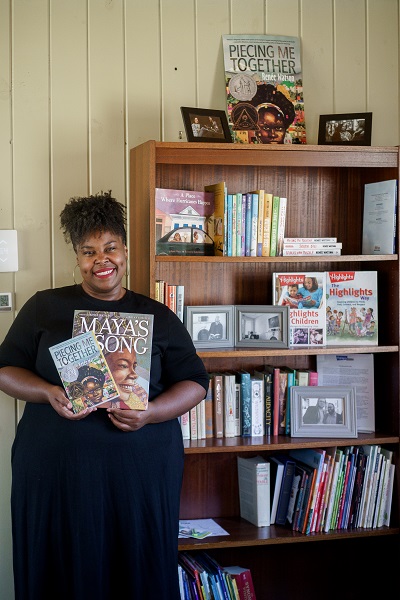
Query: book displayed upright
<point x="263" y="75"/>
<point x="244" y="582"/>
<point x="219" y="216"/>
<point x="84" y="373"/>
<point x="286" y="486"/>
<point x="352" y="308"/>
<point x="304" y="293"/>
<point x="254" y="490"/>
<point x="379" y="221"/>
<point x="126" y="341"/>
<point x="181" y="218"/>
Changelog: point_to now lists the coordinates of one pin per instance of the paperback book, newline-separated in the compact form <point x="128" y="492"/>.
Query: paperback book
<point x="126" y="341"/>
<point x="304" y="293"/>
<point x="264" y="88"/>
<point x="352" y="308"/>
<point x="184" y="222"/>
<point x="379" y="220"/>
<point x="84" y="372"/>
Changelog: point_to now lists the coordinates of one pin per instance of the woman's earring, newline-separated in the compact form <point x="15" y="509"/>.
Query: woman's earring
<point x="73" y="275"/>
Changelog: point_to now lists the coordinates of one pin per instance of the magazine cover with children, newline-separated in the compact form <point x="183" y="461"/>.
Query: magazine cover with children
<point x="352" y="308"/>
<point x="304" y="294"/>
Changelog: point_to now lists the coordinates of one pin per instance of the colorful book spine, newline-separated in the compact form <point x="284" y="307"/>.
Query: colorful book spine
<point x="254" y="224"/>
<point x="281" y="226"/>
<point x="274" y="226"/>
<point x="266" y="241"/>
<point x="248" y="224"/>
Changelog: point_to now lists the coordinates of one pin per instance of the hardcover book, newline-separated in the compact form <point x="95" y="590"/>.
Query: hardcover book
<point x="352" y="308"/>
<point x="304" y="293"/>
<point x="244" y="582"/>
<point x="84" y="372"/>
<point x="219" y="216"/>
<point x="184" y="222"/>
<point x="126" y="341"/>
<point x="286" y="486"/>
<point x="379" y="222"/>
<point x="264" y="88"/>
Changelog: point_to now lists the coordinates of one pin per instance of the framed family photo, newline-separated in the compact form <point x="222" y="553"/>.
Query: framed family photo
<point x="348" y="129"/>
<point x="323" y="411"/>
<point x="206" y="125"/>
<point x="210" y="326"/>
<point x="262" y="326"/>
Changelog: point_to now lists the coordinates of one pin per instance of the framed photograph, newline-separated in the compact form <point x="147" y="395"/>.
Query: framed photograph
<point x="206" y="125"/>
<point x="323" y="411"/>
<point x="5" y="301"/>
<point x="263" y="326"/>
<point x="352" y="129"/>
<point x="210" y="326"/>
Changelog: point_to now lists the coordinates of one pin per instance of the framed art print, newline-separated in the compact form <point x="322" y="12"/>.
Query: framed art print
<point x="323" y="411"/>
<point x="210" y="326"/>
<point x="206" y="125"/>
<point x="262" y="326"/>
<point x="348" y="129"/>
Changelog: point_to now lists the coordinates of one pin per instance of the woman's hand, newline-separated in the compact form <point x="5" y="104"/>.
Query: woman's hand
<point x="129" y="420"/>
<point x="63" y="407"/>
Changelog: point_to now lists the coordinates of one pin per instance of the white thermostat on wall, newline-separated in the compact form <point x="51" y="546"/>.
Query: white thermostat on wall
<point x="8" y="250"/>
<point x="5" y="301"/>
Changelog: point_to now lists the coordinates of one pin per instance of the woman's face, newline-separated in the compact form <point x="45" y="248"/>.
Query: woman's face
<point x="307" y="283"/>
<point x="102" y="261"/>
<point x="122" y="365"/>
<point x="272" y="127"/>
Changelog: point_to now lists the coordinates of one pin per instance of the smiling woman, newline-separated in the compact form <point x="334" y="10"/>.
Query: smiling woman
<point x="112" y="475"/>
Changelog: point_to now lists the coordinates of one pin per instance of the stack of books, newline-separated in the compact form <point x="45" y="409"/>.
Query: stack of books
<point x="313" y="246"/>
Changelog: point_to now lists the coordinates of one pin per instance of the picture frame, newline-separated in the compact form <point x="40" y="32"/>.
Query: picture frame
<point x="304" y="401"/>
<point x="5" y="301"/>
<point x="346" y="129"/>
<point x="206" y="125"/>
<point x="210" y="326"/>
<point x="262" y="326"/>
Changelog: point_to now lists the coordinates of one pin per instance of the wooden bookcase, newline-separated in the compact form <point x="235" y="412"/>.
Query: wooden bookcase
<point x="325" y="187"/>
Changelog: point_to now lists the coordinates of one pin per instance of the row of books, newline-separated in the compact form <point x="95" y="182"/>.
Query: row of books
<point x="318" y="490"/>
<point x="172" y="295"/>
<point x="311" y="247"/>
<point x="201" y="577"/>
<point x="238" y="224"/>
<point x="246" y="404"/>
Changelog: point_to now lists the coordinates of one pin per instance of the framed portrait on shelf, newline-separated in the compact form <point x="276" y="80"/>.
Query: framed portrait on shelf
<point x="262" y="326"/>
<point x="348" y="129"/>
<point x="210" y="326"/>
<point x="206" y="125"/>
<point x="323" y="411"/>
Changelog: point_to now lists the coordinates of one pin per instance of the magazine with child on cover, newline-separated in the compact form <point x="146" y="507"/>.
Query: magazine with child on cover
<point x="126" y="341"/>
<point x="304" y="293"/>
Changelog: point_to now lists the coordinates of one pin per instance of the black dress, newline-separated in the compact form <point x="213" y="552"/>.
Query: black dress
<point x="95" y="510"/>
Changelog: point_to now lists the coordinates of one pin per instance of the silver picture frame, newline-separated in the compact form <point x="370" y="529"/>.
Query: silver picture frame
<point x="262" y="326"/>
<point x="210" y="326"/>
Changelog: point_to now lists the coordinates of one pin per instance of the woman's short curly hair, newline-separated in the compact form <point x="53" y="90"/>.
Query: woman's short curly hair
<point x="82" y="217"/>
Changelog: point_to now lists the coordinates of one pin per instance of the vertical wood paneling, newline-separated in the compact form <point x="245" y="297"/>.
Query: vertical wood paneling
<point x="69" y="121"/>
<point x="282" y="17"/>
<point x="349" y="92"/>
<point x="248" y="17"/>
<point x="7" y="408"/>
<point x="212" y="22"/>
<point x="178" y="43"/>
<point x="31" y="167"/>
<point x="317" y="62"/>
<point x="383" y="70"/>
<point x="107" y="97"/>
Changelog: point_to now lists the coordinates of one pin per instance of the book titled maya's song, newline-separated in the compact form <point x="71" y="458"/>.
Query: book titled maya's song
<point x="126" y="342"/>
<point x="84" y="372"/>
<point x="264" y="88"/>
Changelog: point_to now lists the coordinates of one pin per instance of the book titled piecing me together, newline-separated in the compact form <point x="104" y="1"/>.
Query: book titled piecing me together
<point x="107" y="361"/>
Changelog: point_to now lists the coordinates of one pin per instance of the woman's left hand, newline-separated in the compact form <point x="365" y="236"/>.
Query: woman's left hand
<point x="129" y="420"/>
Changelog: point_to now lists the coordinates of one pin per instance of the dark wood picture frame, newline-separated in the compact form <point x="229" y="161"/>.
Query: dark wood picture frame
<point x="347" y="129"/>
<point x="212" y="125"/>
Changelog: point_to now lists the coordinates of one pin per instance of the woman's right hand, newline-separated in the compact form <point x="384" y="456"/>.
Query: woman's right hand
<point x="63" y="407"/>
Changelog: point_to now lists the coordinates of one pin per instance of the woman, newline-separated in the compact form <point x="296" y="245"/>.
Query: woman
<point x="95" y="495"/>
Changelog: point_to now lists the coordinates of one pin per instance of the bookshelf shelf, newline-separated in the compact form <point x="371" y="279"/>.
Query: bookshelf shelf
<point x="324" y="186"/>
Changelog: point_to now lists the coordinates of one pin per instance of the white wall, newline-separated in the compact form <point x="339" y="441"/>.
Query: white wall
<point x="82" y="81"/>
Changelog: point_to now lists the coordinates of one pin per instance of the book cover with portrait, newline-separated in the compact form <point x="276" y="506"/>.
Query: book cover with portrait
<point x="84" y="372"/>
<point x="126" y="342"/>
<point x="305" y="295"/>
<point x="264" y="89"/>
